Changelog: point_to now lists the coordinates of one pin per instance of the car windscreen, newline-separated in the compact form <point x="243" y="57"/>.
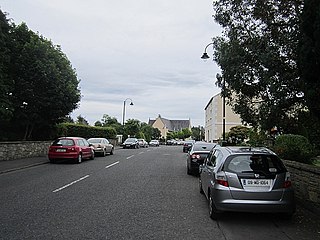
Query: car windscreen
<point x="130" y="140"/>
<point x="63" y="142"/>
<point x="254" y="163"/>
<point x="95" y="140"/>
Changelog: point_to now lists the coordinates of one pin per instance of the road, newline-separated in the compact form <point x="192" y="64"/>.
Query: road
<point x="133" y="194"/>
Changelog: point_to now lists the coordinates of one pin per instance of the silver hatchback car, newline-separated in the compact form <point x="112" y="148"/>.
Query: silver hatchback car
<point x="245" y="179"/>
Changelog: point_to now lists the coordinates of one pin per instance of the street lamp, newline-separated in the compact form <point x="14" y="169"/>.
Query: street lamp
<point x="205" y="56"/>
<point x="124" y="109"/>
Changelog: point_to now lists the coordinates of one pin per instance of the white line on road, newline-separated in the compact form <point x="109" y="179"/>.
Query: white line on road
<point x="112" y="164"/>
<point x="68" y="185"/>
<point x="130" y="156"/>
<point x="141" y="153"/>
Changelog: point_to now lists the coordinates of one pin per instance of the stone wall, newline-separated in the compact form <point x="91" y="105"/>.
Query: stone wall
<point x="23" y="149"/>
<point x="306" y="182"/>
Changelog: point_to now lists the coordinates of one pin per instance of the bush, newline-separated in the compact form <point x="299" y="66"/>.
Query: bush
<point x="293" y="147"/>
<point x="85" y="131"/>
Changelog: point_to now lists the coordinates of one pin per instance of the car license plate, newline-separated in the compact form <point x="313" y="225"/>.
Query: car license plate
<point x="256" y="182"/>
<point x="61" y="150"/>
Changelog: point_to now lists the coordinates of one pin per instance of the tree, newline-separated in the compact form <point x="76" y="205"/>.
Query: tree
<point x="45" y="86"/>
<point x="108" y="121"/>
<point x="6" y="83"/>
<point x="259" y="56"/>
<point x="131" y="127"/>
<point x="81" y="120"/>
<point x="309" y="54"/>
<point x="238" y="134"/>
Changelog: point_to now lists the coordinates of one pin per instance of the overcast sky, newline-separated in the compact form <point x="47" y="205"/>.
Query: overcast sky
<point x="145" y="50"/>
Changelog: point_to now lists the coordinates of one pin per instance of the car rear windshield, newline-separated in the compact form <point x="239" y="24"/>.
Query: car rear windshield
<point x="204" y="147"/>
<point x="63" y="142"/>
<point x="254" y="163"/>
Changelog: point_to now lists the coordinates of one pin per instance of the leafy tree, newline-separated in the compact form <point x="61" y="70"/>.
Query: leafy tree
<point x="81" y="120"/>
<point x="197" y="133"/>
<point x="147" y="130"/>
<point x="6" y="83"/>
<point x="98" y="124"/>
<point x="108" y="121"/>
<point x="259" y="56"/>
<point x="238" y="134"/>
<point x="131" y="127"/>
<point x="156" y="134"/>
<point x="45" y="86"/>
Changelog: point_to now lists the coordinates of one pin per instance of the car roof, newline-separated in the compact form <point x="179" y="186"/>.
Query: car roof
<point x="245" y="150"/>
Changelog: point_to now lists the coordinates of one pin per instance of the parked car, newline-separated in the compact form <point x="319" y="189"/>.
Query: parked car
<point x="245" y="179"/>
<point x="154" y="143"/>
<point x="199" y="151"/>
<point x="187" y="145"/>
<point x="131" y="143"/>
<point x="101" y="146"/>
<point x="143" y="143"/>
<point x="74" y="148"/>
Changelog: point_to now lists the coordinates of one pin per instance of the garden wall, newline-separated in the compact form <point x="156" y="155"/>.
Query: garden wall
<point x="23" y="149"/>
<point x="306" y="182"/>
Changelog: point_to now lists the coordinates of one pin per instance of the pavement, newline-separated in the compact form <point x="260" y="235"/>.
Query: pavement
<point x="13" y="165"/>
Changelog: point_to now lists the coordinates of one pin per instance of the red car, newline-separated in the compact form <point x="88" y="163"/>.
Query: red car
<point x="74" y="148"/>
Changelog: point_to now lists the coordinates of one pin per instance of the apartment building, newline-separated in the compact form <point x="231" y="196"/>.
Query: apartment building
<point x="214" y="119"/>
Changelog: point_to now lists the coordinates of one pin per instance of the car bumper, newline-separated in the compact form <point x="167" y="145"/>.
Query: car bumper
<point x="224" y="202"/>
<point x="72" y="155"/>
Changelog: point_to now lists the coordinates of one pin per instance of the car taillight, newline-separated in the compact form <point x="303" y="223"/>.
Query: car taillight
<point x="287" y="182"/>
<point x="222" y="181"/>
<point x="195" y="156"/>
<point x="72" y="149"/>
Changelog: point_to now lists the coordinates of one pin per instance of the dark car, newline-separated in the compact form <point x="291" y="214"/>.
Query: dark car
<point x="131" y="143"/>
<point x="187" y="145"/>
<point x="199" y="151"/>
<point x="245" y="179"/>
<point x="74" y="148"/>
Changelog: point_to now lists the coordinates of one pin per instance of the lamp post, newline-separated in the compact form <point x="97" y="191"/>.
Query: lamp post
<point x="124" y="109"/>
<point x="206" y="56"/>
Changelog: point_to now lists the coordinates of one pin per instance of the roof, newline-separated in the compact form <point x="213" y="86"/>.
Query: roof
<point x="173" y="125"/>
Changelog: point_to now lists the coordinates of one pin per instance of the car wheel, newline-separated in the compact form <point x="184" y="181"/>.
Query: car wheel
<point x="213" y="213"/>
<point x="188" y="171"/>
<point x="112" y="149"/>
<point x="79" y="158"/>
<point x="200" y="186"/>
<point x="92" y="155"/>
<point x="104" y="153"/>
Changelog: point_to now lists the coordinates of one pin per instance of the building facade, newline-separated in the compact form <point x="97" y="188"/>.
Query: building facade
<point x="214" y="119"/>
<point x="165" y="125"/>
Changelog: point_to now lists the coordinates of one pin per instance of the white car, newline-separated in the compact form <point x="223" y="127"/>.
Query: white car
<point x="101" y="146"/>
<point x="154" y="143"/>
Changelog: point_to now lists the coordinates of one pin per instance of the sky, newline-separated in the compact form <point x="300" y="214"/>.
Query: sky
<point x="144" y="51"/>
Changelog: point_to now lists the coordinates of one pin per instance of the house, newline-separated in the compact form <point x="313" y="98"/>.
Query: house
<point x="166" y="125"/>
<point x="214" y="119"/>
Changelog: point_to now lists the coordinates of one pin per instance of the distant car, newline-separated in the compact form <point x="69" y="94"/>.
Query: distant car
<point x="101" y="146"/>
<point x="74" y="148"/>
<point x="154" y="143"/>
<point x="131" y="143"/>
<point x="143" y="143"/>
<point x="246" y="179"/>
<point x="187" y="145"/>
<point x="171" y="142"/>
<point x="196" y="156"/>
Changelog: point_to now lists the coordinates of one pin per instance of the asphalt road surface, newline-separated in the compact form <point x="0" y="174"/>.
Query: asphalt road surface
<point x="133" y="194"/>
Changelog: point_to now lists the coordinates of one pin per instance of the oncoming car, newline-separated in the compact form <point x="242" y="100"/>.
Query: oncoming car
<point x="244" y="179"/>
<point x="72" y="148"/>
